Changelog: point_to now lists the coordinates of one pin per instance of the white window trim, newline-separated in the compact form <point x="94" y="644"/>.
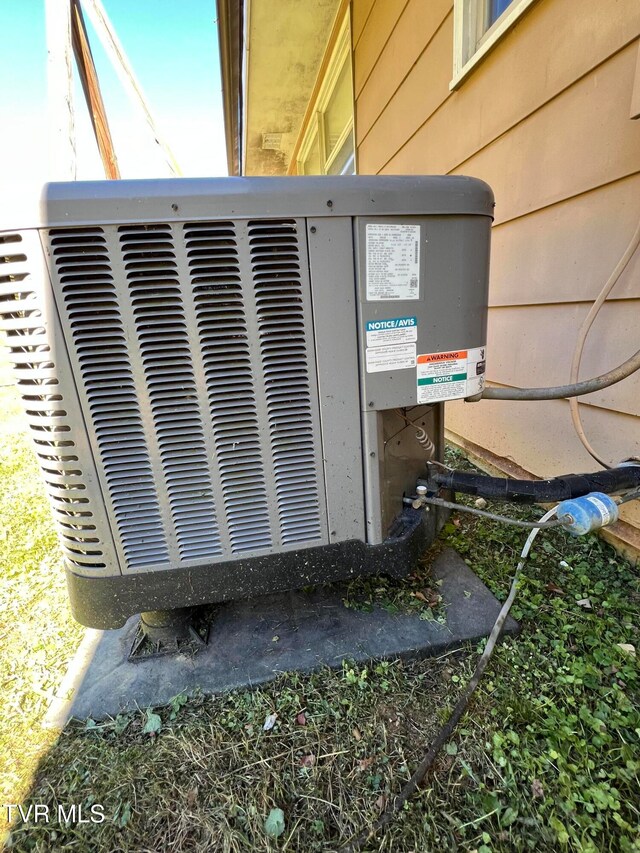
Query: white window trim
<point x="309" y="140"/>
<point x="340" y="54"/>
<point x="465" y="58"/>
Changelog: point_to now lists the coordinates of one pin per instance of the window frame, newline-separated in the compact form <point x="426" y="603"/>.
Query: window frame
<point x="470" y="43"/>
<point x="309" y="140"/>
<point x="313" y="127"/>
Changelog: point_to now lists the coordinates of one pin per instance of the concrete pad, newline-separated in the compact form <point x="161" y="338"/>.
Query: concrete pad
<point x="314" y="629"/>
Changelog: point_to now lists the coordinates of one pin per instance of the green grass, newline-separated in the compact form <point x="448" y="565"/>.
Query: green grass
<point x="37" y="634"/>
<point x="547" y="758"/>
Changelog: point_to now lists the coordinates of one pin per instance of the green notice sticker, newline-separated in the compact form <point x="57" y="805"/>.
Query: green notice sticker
<point x="441" y="380"/>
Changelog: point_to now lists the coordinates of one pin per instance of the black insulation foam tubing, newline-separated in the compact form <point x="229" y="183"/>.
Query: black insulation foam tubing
<point x="556" y="489"/>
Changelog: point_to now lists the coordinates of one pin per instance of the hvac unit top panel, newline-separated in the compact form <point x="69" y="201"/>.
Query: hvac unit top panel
<point x="106" y="202"/>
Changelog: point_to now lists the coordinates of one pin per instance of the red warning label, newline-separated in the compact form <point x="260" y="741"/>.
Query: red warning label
<point x="442" y="356"/>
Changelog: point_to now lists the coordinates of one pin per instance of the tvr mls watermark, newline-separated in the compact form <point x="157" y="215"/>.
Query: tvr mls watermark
<point x="42" y="813"/>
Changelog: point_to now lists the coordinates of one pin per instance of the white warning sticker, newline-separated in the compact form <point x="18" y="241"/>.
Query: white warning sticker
<point x="393" y="262"/>
<point x="450" y="375"/>
<point x="396" y="357"/>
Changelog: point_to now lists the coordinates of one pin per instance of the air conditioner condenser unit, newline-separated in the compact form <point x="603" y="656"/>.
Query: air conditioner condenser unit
<point x="224" y="378"/>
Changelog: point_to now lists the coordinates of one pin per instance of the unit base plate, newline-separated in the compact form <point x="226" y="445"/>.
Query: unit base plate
<point x="312" y="628"/>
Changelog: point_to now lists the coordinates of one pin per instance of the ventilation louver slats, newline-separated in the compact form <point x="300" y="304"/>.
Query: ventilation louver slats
<point x="99" y="337"/>
<point x="149" y="260"/>
<point x="22" y="319"/>
<point x="276" y="264"/>
<point x="193" y="347"/>
<point x="221" y="316"/>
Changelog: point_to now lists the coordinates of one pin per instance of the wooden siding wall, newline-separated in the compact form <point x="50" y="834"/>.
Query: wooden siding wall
<point x="544" y="119"/>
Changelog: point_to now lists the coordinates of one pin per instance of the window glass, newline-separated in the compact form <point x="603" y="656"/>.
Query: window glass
<point x="478" y="26"/>
<point x="339" y="109"/>
<point x="344" y="161"/>
<point x="496" y="8"/>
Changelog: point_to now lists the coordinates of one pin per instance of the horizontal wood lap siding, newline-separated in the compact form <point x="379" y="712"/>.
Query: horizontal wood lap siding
<point x="375" y="33"/>
<point x="361" y="9"/>
<point x="544" y="119"/>
<point x="580" y="140"/>
<point x="533" y="344"/>
<point x="405" y="114"/>
<point x="537" y="259"/>
<point x="554" y="45"/>
<point x="407" y="41"/>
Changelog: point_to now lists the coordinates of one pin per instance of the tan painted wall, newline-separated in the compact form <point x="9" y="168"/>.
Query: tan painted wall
<point x="544" y="119"/>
